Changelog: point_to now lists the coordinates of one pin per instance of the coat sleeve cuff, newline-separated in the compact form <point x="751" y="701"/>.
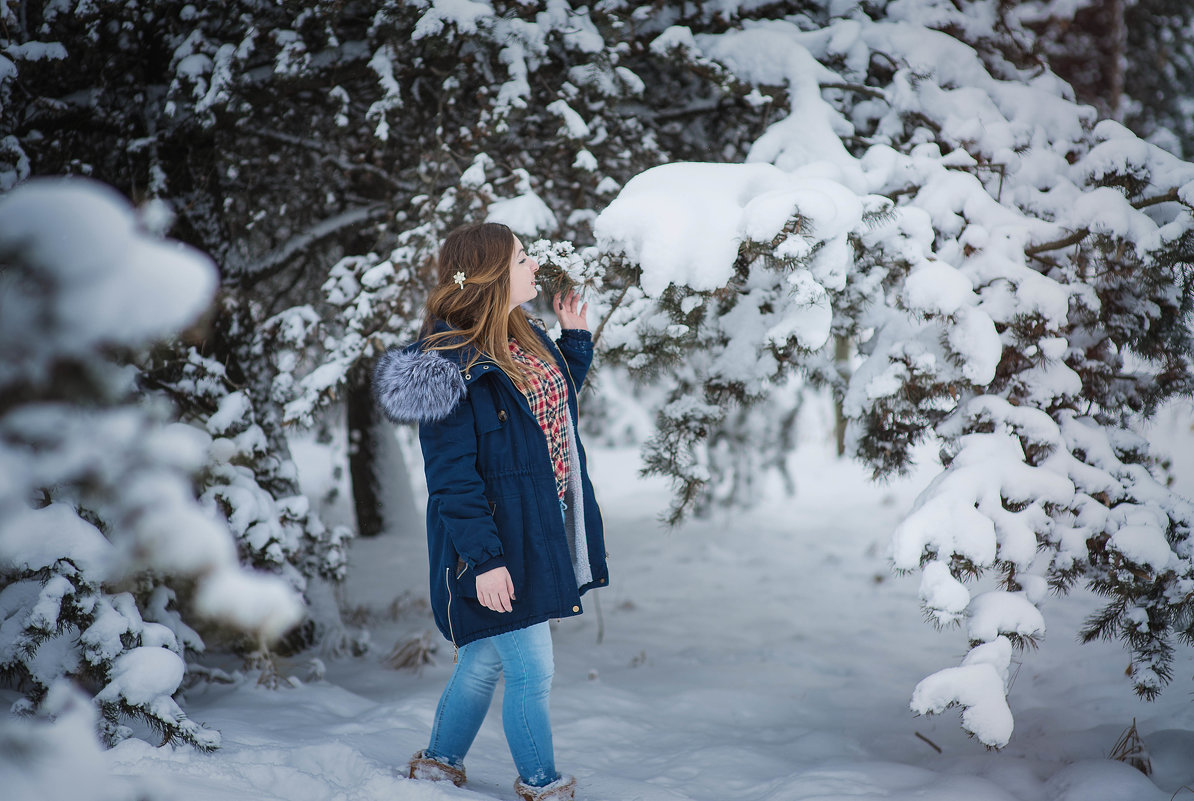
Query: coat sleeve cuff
<point x="577" y="334"/>
<point x="577" y="340"/>
<point x="490" y="564"/>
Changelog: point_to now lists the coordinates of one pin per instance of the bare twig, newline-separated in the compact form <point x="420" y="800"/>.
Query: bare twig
<point x="1082" y="233"/>
<point x="932" y="744"/>
<point x="612" y="309"/>
<point x="332" y="156"/>
<point x="600" y="618"/>
<point x="856" y="88"/>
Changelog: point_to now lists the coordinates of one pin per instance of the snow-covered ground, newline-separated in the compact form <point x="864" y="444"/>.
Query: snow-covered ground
<point x="766" y="655"/>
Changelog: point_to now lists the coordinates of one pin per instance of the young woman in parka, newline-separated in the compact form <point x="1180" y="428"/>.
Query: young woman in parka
<point x="514" y="533"/>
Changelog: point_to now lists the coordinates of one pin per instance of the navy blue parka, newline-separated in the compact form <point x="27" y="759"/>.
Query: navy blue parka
<point x="492" y="497"/>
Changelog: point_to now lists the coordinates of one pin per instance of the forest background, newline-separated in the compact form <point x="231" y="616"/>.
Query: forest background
<point x="967" y="223"/>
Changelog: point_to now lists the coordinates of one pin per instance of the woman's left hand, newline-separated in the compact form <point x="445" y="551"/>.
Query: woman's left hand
<point x="572" y="313"/>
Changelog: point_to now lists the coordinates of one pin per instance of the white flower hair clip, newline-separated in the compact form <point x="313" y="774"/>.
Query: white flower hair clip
<point x="459" y="279"/>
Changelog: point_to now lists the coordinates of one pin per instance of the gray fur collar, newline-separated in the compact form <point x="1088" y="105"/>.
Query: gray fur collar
<point x="412" y="385"/>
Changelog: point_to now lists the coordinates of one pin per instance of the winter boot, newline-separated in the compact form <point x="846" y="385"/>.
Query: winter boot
<point x="562" y="789"/>
<point x="432" y="770"/>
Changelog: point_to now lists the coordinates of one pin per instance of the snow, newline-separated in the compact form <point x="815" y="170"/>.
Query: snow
<point x="811" y="133"/>
<point x="143" y="674"/>
<point x="937" y="287"/>
<point x="36" y="51"/>
<point x="996" y="613"/>
<point x="975" y="336"/>
<point x="942" y="593"/>
<point x="978" y="688"/>
<point x="683" y="222"/>
<point x="37" y="538"/>
<point x="31" y="761"/>
<point x="758" y="666"/>
<point x="250" y="601"/>
<point x="769" y="655"/>
<point x="1144" y="545"/>
<point x="465" y="15"/>
<point x="526" y="214"/>
<point x="573" y="124"/>
<point x="113" y="284"/>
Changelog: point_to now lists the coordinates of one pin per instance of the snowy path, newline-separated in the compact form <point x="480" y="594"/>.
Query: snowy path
<point x="766" y="657"/>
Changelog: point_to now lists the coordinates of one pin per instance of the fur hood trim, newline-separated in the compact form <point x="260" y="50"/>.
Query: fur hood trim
<point x="412" y="386"/>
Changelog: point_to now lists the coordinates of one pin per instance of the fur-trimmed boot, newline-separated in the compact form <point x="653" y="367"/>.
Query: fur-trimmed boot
<point x="432" y="770"/>
<point x="562" y="789"/>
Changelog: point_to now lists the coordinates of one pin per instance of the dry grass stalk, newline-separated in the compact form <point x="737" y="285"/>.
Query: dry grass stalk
<point x="412" y="654"/>
<point x="1129" y="748"/>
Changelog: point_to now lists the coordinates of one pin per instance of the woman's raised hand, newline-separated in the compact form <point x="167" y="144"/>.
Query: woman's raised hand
<point x="572" y="313"/>
<point x="495" y="589"/>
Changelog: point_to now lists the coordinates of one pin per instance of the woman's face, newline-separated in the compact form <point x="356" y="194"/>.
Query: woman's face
<point x="522" y="276"/>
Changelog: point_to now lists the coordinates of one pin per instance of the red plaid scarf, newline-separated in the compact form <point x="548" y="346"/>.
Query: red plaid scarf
<point x="547" y="393"/>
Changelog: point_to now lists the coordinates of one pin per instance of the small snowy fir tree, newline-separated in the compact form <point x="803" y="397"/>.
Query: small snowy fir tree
<point x="99" y="523"/>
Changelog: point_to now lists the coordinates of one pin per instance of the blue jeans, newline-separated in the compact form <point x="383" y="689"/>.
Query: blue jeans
<point x="525" y="657"/>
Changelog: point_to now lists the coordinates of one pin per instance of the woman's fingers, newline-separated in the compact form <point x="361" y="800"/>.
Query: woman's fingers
<point x="571" y="310"/>
<point x="495" y="590"/>
<point x="567" y="302"/>
<point x="497" y="601"/>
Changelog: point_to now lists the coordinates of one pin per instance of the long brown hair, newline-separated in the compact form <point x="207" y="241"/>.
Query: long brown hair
<point x="479" y="311"/>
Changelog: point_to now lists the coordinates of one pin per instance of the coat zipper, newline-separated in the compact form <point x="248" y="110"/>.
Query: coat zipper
<point x="451" y="631"/>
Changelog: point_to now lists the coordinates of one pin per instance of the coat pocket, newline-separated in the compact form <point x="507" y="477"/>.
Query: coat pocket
<point x="515" y="518"/>
<point x="465" y="579"/>
<point x="489" y="415"/>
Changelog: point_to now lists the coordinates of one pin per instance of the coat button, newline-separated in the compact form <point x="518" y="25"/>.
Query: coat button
<point x="576" y="609"/>
<point x="501" y="415"/>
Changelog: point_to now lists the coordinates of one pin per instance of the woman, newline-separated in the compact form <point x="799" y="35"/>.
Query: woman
<point x="514" y="533"/>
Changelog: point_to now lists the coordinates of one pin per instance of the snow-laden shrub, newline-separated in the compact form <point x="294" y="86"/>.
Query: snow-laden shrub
<point x="99" y="522"/>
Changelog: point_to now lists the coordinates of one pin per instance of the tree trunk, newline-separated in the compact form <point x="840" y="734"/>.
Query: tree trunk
<point x="841" y="357"/>
<point x="1119" y="60"/>
<point x="362" y="454"/>
<point x="382" y="493"/>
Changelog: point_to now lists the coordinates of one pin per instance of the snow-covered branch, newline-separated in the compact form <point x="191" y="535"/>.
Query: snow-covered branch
<point x="279" y="257"/>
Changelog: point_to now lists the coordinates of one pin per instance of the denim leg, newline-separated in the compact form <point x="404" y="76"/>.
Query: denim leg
<point x="464" y="702"/>
<point x="527" y="662"/>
